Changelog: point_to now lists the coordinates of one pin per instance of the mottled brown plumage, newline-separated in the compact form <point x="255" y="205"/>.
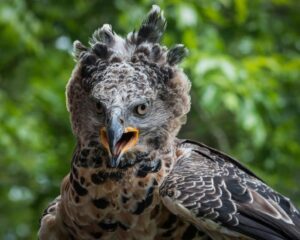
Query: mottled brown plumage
<point x="130" y="177"/>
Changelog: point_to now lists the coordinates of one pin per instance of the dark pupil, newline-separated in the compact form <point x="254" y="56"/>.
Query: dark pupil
<point x="143" y="107"/>
<point x="99" y="107"/>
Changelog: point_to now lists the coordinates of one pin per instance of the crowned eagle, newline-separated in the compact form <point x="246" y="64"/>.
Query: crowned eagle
<point x="130" y="176"/>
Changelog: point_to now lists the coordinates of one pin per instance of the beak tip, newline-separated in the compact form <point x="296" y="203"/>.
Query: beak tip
<point x="113" y="162"/>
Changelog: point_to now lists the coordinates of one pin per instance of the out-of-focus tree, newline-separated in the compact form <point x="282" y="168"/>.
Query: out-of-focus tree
<point x="244" y="65"/>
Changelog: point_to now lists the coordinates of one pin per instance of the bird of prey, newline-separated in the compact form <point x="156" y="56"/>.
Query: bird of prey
<point x="130" y="176"/>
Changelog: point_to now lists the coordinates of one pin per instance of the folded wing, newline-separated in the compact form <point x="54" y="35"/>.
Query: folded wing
<point x="222" y="197"/>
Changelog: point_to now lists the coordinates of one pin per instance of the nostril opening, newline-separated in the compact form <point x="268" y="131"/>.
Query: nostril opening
<point x="121" y="120"/>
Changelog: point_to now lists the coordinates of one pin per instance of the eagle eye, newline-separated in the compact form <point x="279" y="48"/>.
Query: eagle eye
<point x="99" y="108"/>
<point x="141" y="109"/>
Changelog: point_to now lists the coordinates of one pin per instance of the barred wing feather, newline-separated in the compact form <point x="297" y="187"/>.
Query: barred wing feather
<point x="222" y="197"/>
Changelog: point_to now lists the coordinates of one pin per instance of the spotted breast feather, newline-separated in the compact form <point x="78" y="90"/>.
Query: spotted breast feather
<point x="222" y="197"/>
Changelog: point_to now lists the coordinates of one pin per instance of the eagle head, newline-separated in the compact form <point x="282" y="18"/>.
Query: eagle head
<point x="128" y="92"/>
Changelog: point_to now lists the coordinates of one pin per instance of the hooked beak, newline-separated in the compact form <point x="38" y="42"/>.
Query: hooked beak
<point x="117" y="140"/>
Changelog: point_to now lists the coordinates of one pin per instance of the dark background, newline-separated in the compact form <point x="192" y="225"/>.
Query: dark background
<point x="244" y="65"/>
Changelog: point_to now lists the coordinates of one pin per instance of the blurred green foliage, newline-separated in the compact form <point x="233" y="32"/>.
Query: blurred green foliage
<point x="244" y="65"/>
